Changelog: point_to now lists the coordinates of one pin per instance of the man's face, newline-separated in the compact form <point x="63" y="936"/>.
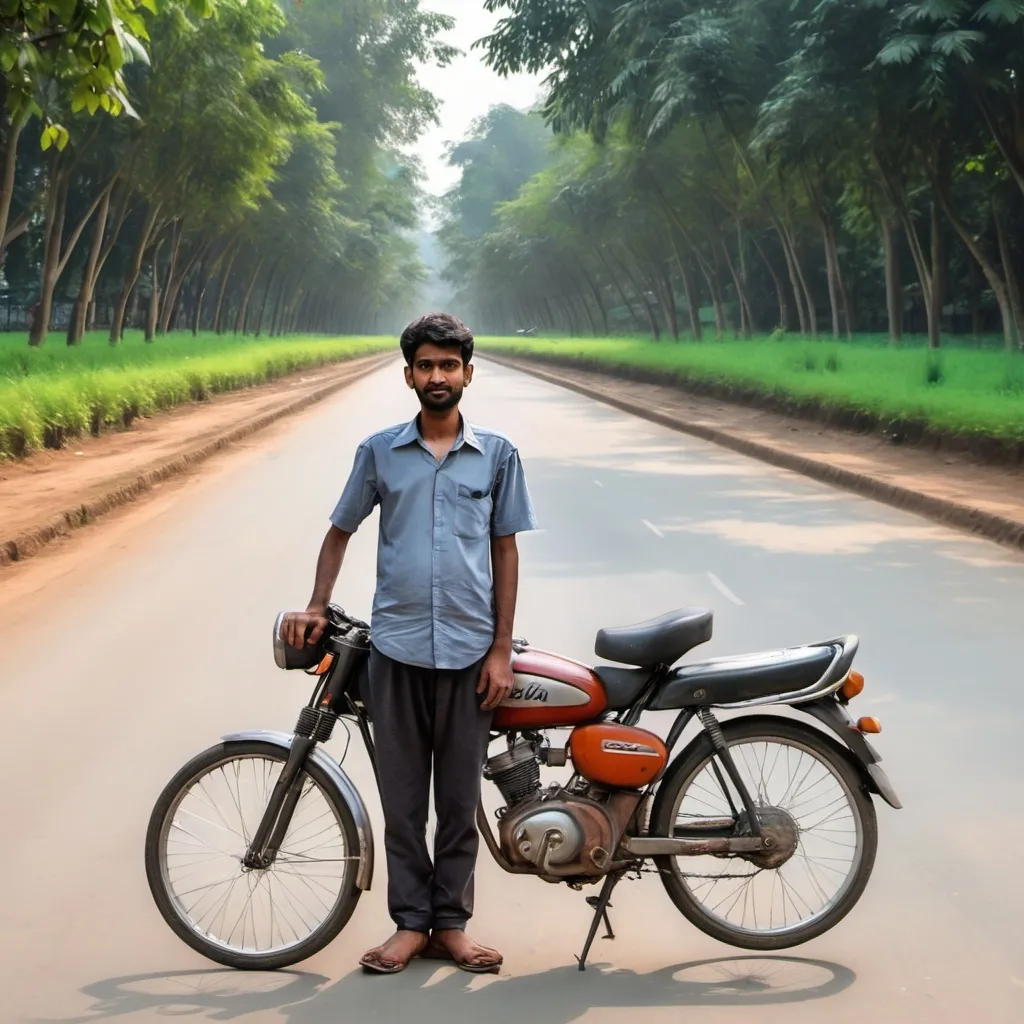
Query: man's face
<point x="438" y="377"/>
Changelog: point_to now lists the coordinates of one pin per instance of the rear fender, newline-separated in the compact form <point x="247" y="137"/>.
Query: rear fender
<point x="837" y="719"/>
<point x="341" y="782"/>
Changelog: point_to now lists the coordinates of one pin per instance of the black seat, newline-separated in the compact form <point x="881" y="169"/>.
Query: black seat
<point x="622" y="685"/>
<point x="661" y="641"/>
<point x="748" y="677"/>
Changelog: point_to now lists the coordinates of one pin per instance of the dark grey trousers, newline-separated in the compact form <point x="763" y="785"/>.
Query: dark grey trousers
<point x="423" y="718"/>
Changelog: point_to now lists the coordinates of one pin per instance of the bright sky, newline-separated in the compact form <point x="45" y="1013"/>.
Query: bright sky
<point x="466" y="88"/>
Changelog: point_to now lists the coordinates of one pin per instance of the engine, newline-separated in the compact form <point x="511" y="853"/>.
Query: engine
<point x="560" y="832"/>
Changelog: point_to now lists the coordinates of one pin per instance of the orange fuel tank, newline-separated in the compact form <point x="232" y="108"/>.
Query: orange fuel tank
<point x="550" y="691"/>
<point x="618" y="756"/>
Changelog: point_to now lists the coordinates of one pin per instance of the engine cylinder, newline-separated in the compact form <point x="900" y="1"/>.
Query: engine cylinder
<point x="516" y="772"/>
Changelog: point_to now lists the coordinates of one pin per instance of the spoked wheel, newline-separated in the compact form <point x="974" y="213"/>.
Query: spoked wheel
<point x="811" y="802"/>
<point x="198" y="835"/>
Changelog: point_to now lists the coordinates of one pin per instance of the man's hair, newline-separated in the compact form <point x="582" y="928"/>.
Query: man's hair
<point x="440" y="329"/>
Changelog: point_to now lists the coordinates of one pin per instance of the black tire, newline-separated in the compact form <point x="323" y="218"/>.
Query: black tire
<point x="687" y="767"/>
<point x="329" y="928"/>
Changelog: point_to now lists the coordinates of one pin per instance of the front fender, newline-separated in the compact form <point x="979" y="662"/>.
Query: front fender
<point x="342" y="782"/>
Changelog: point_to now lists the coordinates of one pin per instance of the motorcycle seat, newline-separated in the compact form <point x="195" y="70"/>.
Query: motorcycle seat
<point x="660" y="641"/>
<point x="724" y="681"/>
<point x="621" y="685"/>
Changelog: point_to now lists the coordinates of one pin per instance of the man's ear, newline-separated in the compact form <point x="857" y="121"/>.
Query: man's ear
<point x="468" y="374"/>
<point x="408" y="377"/>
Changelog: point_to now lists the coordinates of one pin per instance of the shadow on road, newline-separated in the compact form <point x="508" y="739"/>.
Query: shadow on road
<point x="427" y="993"/>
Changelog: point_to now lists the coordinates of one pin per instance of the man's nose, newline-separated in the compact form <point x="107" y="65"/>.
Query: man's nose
<point x="436" y="376"/>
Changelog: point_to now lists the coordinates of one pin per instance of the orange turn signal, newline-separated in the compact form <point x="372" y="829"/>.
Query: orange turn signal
<point x="853" y="686"/>
<point x="872" y="725"/>
<point x="324" y="666"/>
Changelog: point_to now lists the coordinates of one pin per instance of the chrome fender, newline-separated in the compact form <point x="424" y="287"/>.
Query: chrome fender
<point x="342" y="783"/>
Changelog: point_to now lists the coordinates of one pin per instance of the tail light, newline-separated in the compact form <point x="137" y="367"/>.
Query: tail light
<point x="853" y="686"/>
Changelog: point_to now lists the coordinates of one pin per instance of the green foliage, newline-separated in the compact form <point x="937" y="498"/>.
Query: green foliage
<point x="50" y="395"/>
<point x="891" y="384"/>
<point x="73" y="51"/>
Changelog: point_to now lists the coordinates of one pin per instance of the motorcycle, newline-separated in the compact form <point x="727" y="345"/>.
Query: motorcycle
<point x="762" y="828"/>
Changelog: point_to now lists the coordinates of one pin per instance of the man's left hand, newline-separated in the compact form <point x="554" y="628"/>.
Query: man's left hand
<point x="496" y="679"/>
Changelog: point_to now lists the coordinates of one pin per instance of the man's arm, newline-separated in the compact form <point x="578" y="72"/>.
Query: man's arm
<point x="328" y="566"/>
<point x="496" y="677"/>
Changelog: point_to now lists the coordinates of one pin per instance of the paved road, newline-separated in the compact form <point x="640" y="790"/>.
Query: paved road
<point x="148" y="637"/>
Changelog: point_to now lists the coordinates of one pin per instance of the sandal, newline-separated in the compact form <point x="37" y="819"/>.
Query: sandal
<point x="373" y="961"/>
<point x="436" y="950"/>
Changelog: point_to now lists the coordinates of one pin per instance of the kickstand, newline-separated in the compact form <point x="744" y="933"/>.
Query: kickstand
<point x="600" y="904"/>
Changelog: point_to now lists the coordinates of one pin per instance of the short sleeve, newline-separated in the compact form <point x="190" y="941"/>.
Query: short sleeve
<point x="360" y="494"/>
<point x="513" y="510"/>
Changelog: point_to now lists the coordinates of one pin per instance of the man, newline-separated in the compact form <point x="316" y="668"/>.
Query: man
<point x="452" y="499"/>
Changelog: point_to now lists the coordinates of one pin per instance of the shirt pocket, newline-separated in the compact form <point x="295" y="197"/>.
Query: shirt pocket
<point x="473" y="510"/>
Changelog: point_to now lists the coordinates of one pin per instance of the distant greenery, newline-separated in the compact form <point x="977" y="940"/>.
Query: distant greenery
<point x="970" y="392"/>
<point x="827" y="166"/>
<point x="257" y="181"/>
<point x="50" y="395"/>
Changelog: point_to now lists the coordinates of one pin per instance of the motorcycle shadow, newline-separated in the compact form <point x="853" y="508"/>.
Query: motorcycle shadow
<point x="427" y="992"/>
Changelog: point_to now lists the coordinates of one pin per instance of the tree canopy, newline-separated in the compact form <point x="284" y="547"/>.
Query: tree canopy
<point x="256" y="184"/>
<point x="817" y="165"/>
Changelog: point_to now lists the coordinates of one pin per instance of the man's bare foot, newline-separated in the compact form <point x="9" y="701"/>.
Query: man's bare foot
<point x="467" y="954"/>
<point x="394" y="955"/>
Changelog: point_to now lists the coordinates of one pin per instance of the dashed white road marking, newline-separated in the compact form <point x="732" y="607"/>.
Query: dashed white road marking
<point x="724" y="590"/>
<point x="597" y="483"/>
<point x="650" y="526"/>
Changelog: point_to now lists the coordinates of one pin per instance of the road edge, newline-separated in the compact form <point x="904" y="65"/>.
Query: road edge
<point x="1000" y="529"/>
<point x="28" y="543"/>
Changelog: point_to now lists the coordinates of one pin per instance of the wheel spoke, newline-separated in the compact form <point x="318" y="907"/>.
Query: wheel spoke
<point x="791" y="782"/>
<point x="252" y="912"/>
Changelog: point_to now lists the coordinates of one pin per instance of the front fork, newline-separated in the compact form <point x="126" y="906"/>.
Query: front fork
<point x="314" y="726"/>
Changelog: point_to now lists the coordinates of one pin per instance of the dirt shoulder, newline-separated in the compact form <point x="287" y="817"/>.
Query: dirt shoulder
<point x="51" y="493"/>
<point x="948" y="487"/>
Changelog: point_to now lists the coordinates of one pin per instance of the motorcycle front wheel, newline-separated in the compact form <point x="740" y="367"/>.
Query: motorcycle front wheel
<point x="811" y="800"/>
<point x="198" y="835"/>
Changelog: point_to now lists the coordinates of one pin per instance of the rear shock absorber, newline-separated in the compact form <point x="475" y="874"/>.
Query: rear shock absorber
<point x="721" y="748"/>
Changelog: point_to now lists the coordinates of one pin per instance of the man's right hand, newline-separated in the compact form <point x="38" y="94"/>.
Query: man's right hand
<point x="300" y="628"/>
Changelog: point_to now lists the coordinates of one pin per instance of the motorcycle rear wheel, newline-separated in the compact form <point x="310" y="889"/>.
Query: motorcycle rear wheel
<point x="818" y="798"/>
<point x="195" y="843"/>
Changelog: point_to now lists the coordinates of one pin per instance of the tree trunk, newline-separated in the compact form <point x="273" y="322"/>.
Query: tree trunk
<point x="10" y="167"/>
<point x="170" y="288"/>
<point x="1010" y="273"/>
<point x="117" y="322"/>
<point x="644" y="301"/>
<point x="76" y="328"/>
<point x="689" y="290"/>
<point x="670" y="296"/>
<point x="618" y="287"/>
<point x="801" y="282"/>
<point x="936" y="290"/>
<point x="275" y="319"/>
<point x="266" y="295"/>
<point x="243" y="310"/>
<point x="781" y="298"/>
<point x="893" y="282"/>
<point x="596" y="292"/>
<point x="153" y="314"/>
<point x="56" y="207"/>
<point x="219" y="309"/>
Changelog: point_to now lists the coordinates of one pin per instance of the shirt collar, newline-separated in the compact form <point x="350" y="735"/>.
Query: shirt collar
<point x="410" y="434"/>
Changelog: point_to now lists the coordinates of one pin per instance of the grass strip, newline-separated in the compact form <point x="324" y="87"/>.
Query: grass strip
<point x="50" y="395"/>
<point x="973" y="393"/>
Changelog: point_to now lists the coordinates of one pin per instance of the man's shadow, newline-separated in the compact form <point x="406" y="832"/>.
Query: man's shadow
<point x="428" y="992"/>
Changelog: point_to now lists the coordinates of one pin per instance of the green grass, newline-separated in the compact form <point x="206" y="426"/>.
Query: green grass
<point x="969" y="392"/>
<point x="51" y="394"/>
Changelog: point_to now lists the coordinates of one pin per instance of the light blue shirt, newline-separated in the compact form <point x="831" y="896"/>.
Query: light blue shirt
<point x="434" y="603"/>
